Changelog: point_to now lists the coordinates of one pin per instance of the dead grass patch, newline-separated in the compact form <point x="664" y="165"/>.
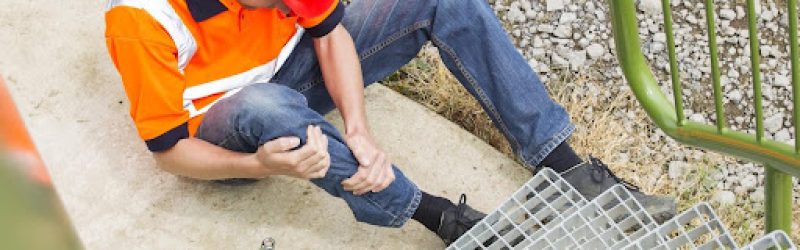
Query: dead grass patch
<point x="625" y="144"/>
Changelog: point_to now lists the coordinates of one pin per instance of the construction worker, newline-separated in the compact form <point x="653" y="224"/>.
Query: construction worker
<point x="234" y="91"/>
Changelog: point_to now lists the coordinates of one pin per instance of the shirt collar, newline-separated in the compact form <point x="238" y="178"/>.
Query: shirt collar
<point x="202" y="10"/>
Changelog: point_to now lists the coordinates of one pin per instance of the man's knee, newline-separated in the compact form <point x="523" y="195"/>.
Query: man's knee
<point x="266" y="111"/>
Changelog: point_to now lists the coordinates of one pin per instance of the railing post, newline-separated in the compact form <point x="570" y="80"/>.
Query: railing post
<point x="779" y="200"/>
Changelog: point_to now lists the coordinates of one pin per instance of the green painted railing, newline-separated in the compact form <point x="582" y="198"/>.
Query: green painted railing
<point x="780" y="159"/>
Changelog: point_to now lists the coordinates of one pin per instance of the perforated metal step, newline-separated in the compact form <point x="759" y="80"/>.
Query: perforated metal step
<point x="548" y="213"/>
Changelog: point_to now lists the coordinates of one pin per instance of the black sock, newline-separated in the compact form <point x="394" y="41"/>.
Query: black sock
<point x="562" y="158"/>
<point x="430" y="210"/>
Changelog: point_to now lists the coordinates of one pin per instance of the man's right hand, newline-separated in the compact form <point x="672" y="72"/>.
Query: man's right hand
<point x="310" y="161"/>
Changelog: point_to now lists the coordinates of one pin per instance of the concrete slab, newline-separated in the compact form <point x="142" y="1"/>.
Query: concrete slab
<point x="53" y="56"/>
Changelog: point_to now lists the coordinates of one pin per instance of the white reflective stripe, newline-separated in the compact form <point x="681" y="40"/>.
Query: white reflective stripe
<point x="234" y="83"/>
<point x="193" y="111"/>
<point x="163" y="12"/>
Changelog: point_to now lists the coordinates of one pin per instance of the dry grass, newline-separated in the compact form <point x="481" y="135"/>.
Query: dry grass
<point x="626" y="146"/>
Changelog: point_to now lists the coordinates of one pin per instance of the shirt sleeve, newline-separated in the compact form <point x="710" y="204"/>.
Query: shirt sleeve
<point x="318" y="17"/>
<point x="146" y="59"/>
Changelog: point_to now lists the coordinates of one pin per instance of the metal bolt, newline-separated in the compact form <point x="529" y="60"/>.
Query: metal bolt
<point x="268" y="244"/>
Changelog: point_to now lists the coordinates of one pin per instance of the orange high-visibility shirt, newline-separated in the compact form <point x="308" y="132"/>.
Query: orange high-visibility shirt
<point x="229" y="41"/>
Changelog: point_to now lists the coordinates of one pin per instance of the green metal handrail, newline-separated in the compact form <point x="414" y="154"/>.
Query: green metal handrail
<point x="780" y="159"/>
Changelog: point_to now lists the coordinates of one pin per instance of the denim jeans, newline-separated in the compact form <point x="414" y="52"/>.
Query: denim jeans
<point x="387" y="35"/>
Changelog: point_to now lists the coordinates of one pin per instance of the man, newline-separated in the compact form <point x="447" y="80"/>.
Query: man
<point x="233" y="90"/>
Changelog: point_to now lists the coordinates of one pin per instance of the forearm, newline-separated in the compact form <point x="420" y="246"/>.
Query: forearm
<point x="198" y="159"/>
<point x="341" y="71"/>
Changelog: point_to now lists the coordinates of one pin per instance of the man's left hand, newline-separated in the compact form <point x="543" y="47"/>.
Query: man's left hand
<point x="375" y="171"/>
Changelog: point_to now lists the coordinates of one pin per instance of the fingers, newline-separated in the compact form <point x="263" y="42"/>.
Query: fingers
<point x="388" y="177"/>
<point x="281" y="144"/>
<point x="360" y="175"/>
<point x="307" y="150"/>
<point x="312" y="164"/>
<point x="323" y="167"/>
<point x="373" y="178"/>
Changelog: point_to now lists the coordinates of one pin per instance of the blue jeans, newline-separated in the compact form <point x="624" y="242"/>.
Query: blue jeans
<point x="387" y="35"/>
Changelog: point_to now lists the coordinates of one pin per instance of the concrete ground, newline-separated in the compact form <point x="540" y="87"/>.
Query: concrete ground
<point x="53" y="57"/>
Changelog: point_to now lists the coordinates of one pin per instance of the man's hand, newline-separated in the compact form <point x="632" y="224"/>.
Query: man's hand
<point x="308" y="162"/>
<point x="375" y="171"/>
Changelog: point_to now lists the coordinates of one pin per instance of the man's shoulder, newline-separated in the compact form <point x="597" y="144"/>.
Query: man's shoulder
<point x="125" y="22"/>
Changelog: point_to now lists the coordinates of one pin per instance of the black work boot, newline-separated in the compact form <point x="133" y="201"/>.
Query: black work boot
<point x="458" y="220"/>
<point x="591" y="178"/>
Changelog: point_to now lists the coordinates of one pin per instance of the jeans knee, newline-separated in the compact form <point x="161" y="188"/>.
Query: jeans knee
<point x="266" y="111"/>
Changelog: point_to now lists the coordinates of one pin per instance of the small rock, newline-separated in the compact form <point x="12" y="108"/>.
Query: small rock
<point x="676" y="169"/>
<point x="740" y="12"/>
<point x="697" y="118"/>
<point x="526" y="5"/>
<point x="546" y="28"/>
<point x="774" y="123"/>
<point x="577" y="59"/>
<point x="563" y="31"/>
<point x="782" y="80"/>
<point x="555" y="4"/>
<point x="727" y="14"/>
<point x="660" y="37"/>
<point x="749" y="182"/>
<point x="595" y="50"/>
<point x="559" y="61"/>
<point x="757" y="195"/>
<point x="783" y="136"/>
<point x="724" y="197"/>
<point x="650" y="6"/>
<point x="567" y="17"/>
<point x="516" y="15"/>
<point x="735" y="95"/>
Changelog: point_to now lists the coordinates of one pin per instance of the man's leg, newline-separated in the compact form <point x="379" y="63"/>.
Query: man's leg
<point x="476" y="49"/>
<point x="473" y="45"/>
<point x="263" y="112"/>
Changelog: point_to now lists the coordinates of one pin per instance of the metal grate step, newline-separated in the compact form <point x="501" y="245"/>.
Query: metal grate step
<point x="548" y="213"/>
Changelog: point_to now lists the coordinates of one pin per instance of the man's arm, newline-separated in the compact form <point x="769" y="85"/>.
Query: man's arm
<point x="199" y="159"/>
<point x="341" y="71"/>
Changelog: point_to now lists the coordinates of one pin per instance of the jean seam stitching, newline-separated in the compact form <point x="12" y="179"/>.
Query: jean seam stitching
<point x="393" y="38"/>
<point x="409" y="211"/>
<point x="375" y="203"/>
<point x="376" y="48"/>
<point x="481" y="93"/>
<point x="562" y="136"/>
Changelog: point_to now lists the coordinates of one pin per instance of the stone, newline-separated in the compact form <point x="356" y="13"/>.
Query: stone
<point x="516" y="15"/>
<point x="749" y="182"/>
<point x="577" y="59"/>
<point x="773" y="123"/>
<point x="650" y="6"/>
<point x="553" y="5"/>
<point x="546" y="28"/>
<point x="563" y="31"/>
<point x="595" y="51"/>
<point x="567" y="17"/>
<point x="724" y="197"/>
<point x="782" y="80"/>
<point x="735" y="95"/>
<point x="783" y="136"/>
<point x="559" y="61"/>
<point x="676" y="169"/>
<point x="660" y="37"/>
<point x="757" y="195"/>
<point x="727" y="14"/>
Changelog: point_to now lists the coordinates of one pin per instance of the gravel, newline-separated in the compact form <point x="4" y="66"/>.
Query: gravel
<point x="563" y="37"/>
